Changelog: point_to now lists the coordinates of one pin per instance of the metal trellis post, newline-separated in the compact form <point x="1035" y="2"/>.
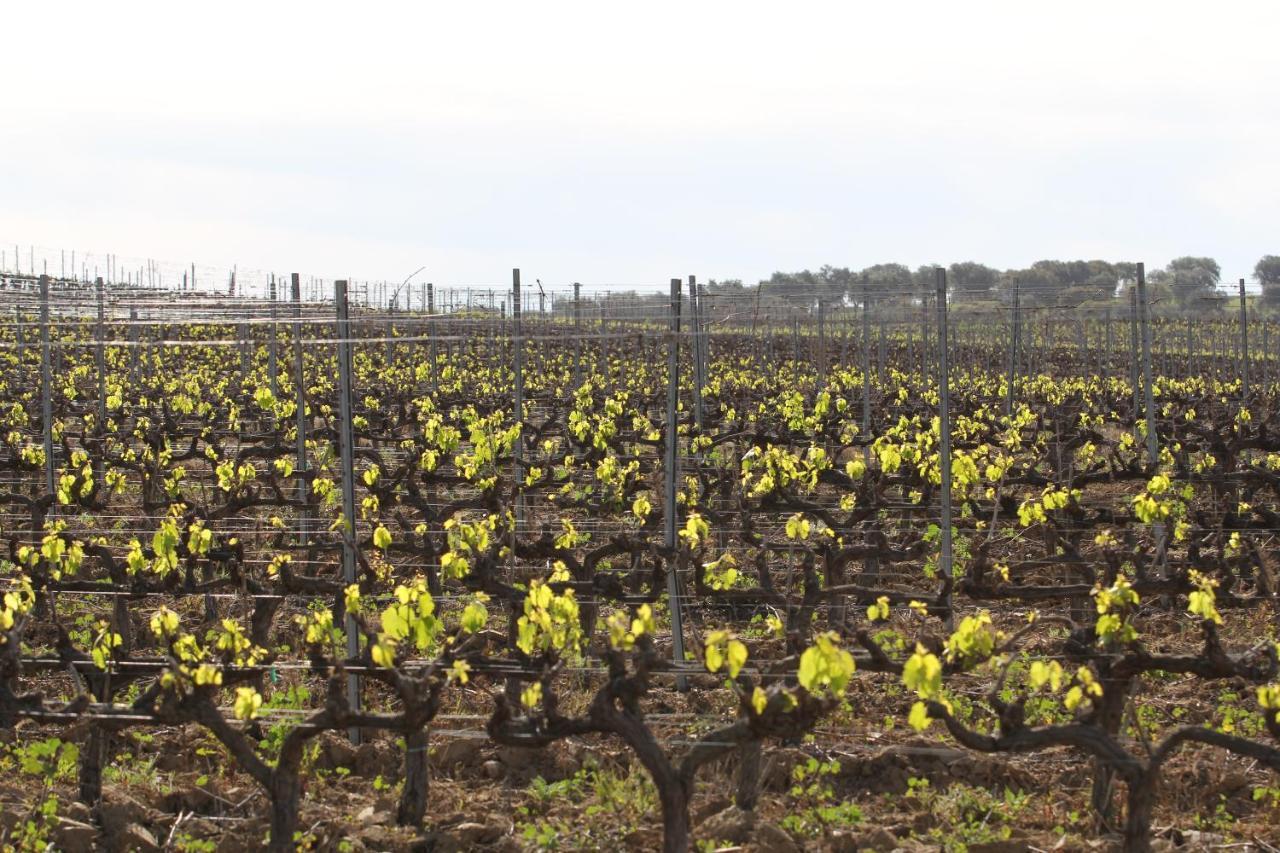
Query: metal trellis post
<point x="272" y="369"/>
<point x="1015" y="333"/>
<point x="431" y="322"/>
<point x="944" y="443"/>
<point x="346" y="441"/>
<point x="696" y="327"/>
<point x="577" y="332"/>
<point x="822" y="344"/>
<point x="300" y="405"/>
<point x="100" y="364"/>
<point x="517" y="347"/>
<point x="672" y="476"/>
<point x="46" y="387"/>
<point x="1244" y="345"/>
<point x="1149" y="400"/>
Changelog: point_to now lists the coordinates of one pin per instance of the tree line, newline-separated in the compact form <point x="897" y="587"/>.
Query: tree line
<point x="1190" y="283"/>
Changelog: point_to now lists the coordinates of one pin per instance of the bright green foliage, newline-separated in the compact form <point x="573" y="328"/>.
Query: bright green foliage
<point x="625" y="630"/>
<point x="247" y="703"/>
<point x="16" y="603"/>
<point x="723" y="650"/>
<point x="411" y="617"/>
<point x="1269" y="700"/>
<point x="1115" y="604"/>
<point x="922" y="674"/>
<point x="825" y="668"/>
<point x="798" y="527"/>
<point x="879" y="611"/>
<point x="550" y="624"/>
<point x="1202" y="602"/>
<point x="973" y="641"/>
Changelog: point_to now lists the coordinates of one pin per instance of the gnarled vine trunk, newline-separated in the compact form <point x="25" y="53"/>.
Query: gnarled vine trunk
<point x="286" y="792"/>
<point x="673" y="794"/>
<point x="1141" y="802"/>
<point x="412" y="807"/>
<point x="91" y="756"/>
<point x="747" y="793"/>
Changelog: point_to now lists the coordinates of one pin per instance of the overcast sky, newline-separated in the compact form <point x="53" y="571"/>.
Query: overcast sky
<point x="629" y="143"/>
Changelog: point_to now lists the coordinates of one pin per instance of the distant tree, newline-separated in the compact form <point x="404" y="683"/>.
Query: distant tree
<point x="1099" y="286"/>
<point x="837" y="283"/>
<point x="1267" y="273"/>
<point x="970" y="280"/>
<point x="1069" y="283"/>
<point x="1036" y="285"/>
<point x="728" y="285"/>
<point x="1159" y="290"/>
<point x="882" y="283"/>
<point x="795" y="287"/>
<point x="1192" y="280"/>
<point x="806" y="287"/>
<point x="1062" y="273"/>
<point x="1045" y="283"/>
<point x="924" y="282"/>
<point x="1097" y="282"/>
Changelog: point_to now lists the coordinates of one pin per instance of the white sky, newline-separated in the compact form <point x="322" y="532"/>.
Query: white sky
<point x="630" y="143"/>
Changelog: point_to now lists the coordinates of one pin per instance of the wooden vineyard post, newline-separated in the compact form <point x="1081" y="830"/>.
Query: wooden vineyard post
<point x="517" y="468"/>
<point x="1244" y="346"/>
<point x="1144" y="309"/>
<point x="1133" y="355"/>
<point x="388" y="345"/>
<point x="671" y="471"/>
<point x="703" y="335"/>
<point x="1153" y="445"/>
<point x="1015" y="333"/>
<point x="866" y="376"/>
<point x="577" y="333"/>
<point x="100" y="365"/>
<point x="517" y="361"/>
<point x="602" y="351"/>
<point x="346" y="442"/>
<point x="272" y="368"/>
<point x="300" y="405"/>
<point x="698" y="374"/>
<point x="871" y="564"/>
<point x="944" y="445"/>
<point x="822" y="345"/>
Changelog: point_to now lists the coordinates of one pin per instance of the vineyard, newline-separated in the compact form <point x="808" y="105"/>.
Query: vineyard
<point x="673" y="572"/>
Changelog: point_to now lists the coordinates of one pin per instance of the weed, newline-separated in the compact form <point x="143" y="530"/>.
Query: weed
<point x="968" y="815"/>
<point x="817" y="807"/>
